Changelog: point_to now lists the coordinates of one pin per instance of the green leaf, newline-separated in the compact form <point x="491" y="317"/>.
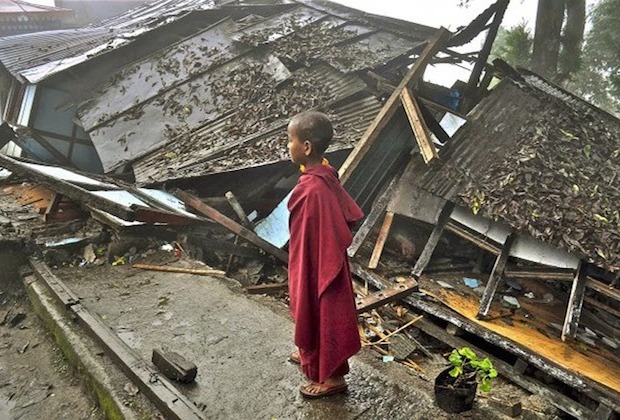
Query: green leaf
<point x="486" y="385"/>
<point x="486" y="364"/>
<point x="456" y="371"/>
<point x="467" y="353"/>
<point x="455" y="358"/>
<point x="492" y="373"/>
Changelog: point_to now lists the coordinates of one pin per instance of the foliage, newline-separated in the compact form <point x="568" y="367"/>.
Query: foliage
<point x="467" y="367"/>
<point x="513" y="45"/>
<point x="599" y="80"/>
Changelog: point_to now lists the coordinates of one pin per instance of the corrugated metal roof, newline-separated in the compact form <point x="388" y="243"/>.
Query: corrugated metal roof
<point x="21" y="52"/>
<point x="168" y="98"/>
<point x="18" y="6"/>
<point x="221" y="146"/>
<point x="530" y="156"/>
<point x="84" y="43"/>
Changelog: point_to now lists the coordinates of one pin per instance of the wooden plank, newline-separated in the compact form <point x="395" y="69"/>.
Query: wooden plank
<point x="494" y="278"/>
<point x="378" y="207"/>
<point x="418" y="125"/>
<point x="602" y="306"/>
<point x="432" y="123"/>
<point x="231" y="225"/>
<point x="472" y="236"/>
<point x="575" y="304"/>
<point x="602" y="412"/>
<point x="385" y="296"/>
<point x="62" y="292"/>
<point x="391" y="105"/>
<point x="174" y="366"/>
<point x="383" y="235"/>
<point x="172" y="269"/>
<point x="71" y="191"/>
<point x="236" y="206"/>
<point x="474" y="78"/>
<point x="603" y="289"/>
<point x="267" y="289"/>
<point x="433" y="240"/>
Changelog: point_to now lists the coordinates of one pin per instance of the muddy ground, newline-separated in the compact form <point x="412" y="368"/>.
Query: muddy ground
<point x="35" y="380"/>
<point x="240" y="344"/>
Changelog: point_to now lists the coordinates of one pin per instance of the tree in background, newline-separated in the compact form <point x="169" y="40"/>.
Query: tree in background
<point x="514" y="45"/>
<point x="599" y="78"/>
<point x="558" y="38"/>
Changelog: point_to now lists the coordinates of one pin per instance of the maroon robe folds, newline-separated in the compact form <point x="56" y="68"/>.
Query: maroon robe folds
<point x="321" y="294"/>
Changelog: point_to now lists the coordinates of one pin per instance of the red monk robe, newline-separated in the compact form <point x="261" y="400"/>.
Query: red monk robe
<point x="321" y="294"/>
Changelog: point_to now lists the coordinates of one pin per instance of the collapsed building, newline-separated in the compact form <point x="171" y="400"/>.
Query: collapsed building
<point x="494" y="196"/>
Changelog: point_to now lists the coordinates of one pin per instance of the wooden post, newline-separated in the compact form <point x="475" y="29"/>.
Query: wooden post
<point x="377" y="210"/>
<point x="494" y="278"/>
<point x="245" y="221"/>
<point x="231" y="225"/>
<point x="472" y="84"/>
<point x="383" y="235"/>
<point x="236" y="206"/>
<point x="391" y="105"/>
<point x="433" y="240"/>
<point x="575" y="303"/>
<point x="418" y="125"/>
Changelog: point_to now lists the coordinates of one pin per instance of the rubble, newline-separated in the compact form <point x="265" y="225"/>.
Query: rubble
<point x="504" y="233"/>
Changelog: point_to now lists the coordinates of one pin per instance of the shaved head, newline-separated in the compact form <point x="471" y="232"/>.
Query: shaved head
<point x="314" y="127"/>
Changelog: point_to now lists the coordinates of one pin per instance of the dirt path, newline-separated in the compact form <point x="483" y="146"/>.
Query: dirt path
<point x="35" y="381"/>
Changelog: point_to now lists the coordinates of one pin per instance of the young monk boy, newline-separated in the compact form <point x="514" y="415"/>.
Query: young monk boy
<point x="321" y="294"/>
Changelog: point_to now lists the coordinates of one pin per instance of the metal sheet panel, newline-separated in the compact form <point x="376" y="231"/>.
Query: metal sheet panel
<point x="181" y="110"/>
<point x="152" y="76"/>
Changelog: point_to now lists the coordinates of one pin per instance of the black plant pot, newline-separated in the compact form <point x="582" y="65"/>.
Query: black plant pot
<point x="454" y="400"/>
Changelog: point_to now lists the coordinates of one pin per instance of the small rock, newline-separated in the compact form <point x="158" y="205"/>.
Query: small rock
<point x="16" y="319"/>
<point x="530" y="295"/>
<point x="511" y="302"/>
<point x="131" y="389"/>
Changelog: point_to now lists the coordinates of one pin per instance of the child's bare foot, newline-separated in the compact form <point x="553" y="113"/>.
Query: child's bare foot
<point x="294" y="358"/>
<point x="331" y="386"/>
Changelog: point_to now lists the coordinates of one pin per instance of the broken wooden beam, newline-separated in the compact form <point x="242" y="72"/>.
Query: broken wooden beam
<point x="391" y="105"/>
<point x="383" y="235"/>
<point x="603" y="288"/>
<point x="231" y="225"/>
<point x="236" y="206"/>
<point x="385" y="296"/>
<point x="174" y="366"/>
<point x="433" y="240"/>
<point x="172" y="269"/>
<point x="494" y="279"/>
<point x="267" y="289"/>
<point x="575" y="304"/>
<point x="419" y="127"/>
<point x="378" y="207"/>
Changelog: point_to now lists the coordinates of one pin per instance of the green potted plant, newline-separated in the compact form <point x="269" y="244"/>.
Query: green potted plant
<point x="455" y="387"/>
